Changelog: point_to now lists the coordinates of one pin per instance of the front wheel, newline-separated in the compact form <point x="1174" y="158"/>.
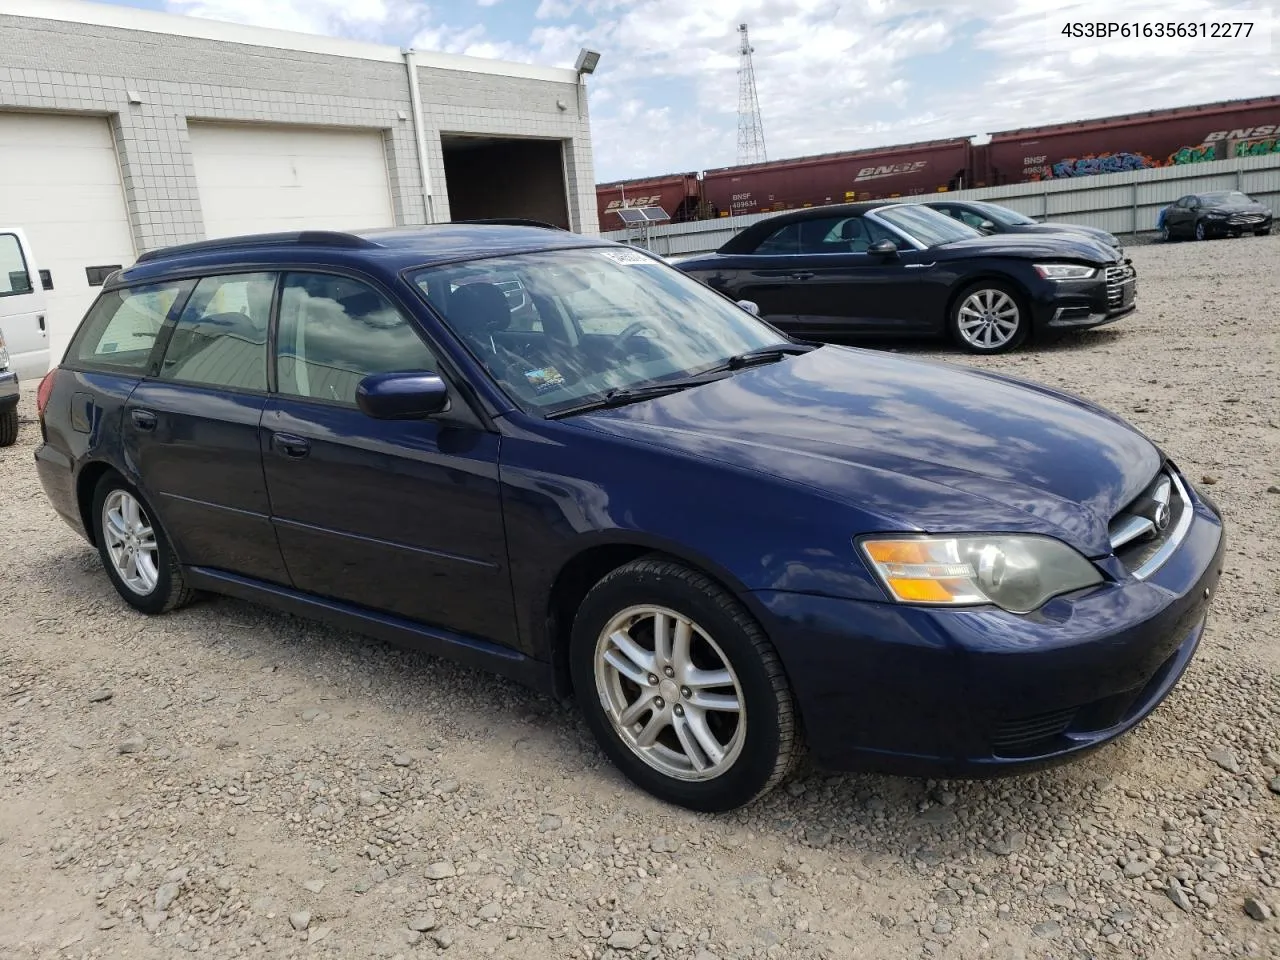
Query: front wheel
<point x="135" y="552"/>
<point x="1264" y="233"/>
<point x="1201" y="233"/>
<point x="989" y="317"/>
<point x="9" y="427"/>
<point x="681" y="687"/>
<point x="1166" y="234"/>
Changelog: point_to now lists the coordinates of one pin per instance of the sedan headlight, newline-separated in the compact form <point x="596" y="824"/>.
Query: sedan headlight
<point x="1217" y="214"/>
<point x="1065" y="271"/>
<point x="1016" y="572"/>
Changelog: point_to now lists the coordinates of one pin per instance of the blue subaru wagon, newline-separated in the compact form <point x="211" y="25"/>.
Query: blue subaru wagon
<point x="565" y="461"/>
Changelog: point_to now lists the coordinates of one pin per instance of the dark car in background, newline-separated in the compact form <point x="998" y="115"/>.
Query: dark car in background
<point x="1223" y="213"/>
<point x="989" y="218"/>
<point x="904" y="269"/>
<point x="647" y="498"/>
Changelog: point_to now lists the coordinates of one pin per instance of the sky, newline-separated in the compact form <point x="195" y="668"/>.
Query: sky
<point x="831" y="74"/>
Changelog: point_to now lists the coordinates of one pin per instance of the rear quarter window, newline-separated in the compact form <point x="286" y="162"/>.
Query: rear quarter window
<point x="120" y="330"/>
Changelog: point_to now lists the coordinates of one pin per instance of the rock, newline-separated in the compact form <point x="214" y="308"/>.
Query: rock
<point x="1274" y="785"/>
<point x="1256" y="909"/>
<point x="1057" y="896"/>
<point x="1208" y="479"/>
<point x="1274" y="488"/>
<point x="316" y="934"/>
<point x="1013" y="842"/>
<point x="133" y="874"/>
<point x="706" y="955"/>
<point x="300" y="920"/>
<point x="448" y="787"/>
<point x="1122" y="916"/>
<point x="549" y="823"/>
<point x="442" y="939"/>
<point x="1047" y="929"/>
<point x="626" y="939"/>
<point x="1226" y="758"/>
<point x="662" y="845"/>
<point x="490" y="911"/>
<point x="942" y="927"/>
<point x="166" y="895"/>
<point x="368" y="798"/>
<point x="313" y="713"/>
<point x="134" y="745"/>
<point x="151" y="920"/>
<point x="1178" y="895"/>
<point x="423" y="922"/>
<point x="227" y="743"/>
<point x="1136" y="868"/>
<point x="817" y="836"/>
<point x="441" y="870"/>
<point x="100" y="696"/>
<point x="313" y="886"/>
<point x="402" y="760"/>
<point x="1204" y="893"/>
<point x="939" y="816"/>
<point x="947" y="898"/>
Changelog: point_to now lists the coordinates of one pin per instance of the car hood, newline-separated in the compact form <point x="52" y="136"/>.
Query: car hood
<point x="1033" y="246"/>
<point x="1067" y="228"/>
<point x="921" y="446"/>
<point x="1238" y="208"/>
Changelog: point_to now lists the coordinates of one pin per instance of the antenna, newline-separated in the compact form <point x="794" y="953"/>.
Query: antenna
<point x="750" y="125"/>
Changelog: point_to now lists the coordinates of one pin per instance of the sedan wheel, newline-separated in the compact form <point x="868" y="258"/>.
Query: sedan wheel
<point x="1200" y="232"/>
<point x="681" y="687"/>
<point x="988" y="319"/>
<point x="135" y="552"/>
<point x="670" y="693"/>
<point x="1165" y="233"/>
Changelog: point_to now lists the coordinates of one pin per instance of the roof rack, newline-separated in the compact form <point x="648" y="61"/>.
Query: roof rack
<point x="514" y="222"/>
<point x="308" y="238"/>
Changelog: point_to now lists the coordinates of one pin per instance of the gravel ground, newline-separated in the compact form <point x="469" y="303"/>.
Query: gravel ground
<point x="233" y="782"/>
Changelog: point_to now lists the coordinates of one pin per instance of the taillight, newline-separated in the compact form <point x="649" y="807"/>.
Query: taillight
<point x="43" y="391"/>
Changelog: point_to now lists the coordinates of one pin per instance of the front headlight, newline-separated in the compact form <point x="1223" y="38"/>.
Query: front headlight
<point x="1065" y="271"/>
<point x="1217" y="214"/>
<point x="4" y="354"/>
<point x="1016" y="572"/>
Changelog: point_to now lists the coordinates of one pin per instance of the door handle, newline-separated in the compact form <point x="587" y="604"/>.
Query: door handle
<point x="799" y="276"/>
<point x="287" y="445"/>
<point x="143" y="419"/>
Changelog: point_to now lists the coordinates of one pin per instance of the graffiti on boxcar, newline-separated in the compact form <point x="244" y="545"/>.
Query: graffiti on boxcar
<point x="1093" y="164"/>
<point x="1200" y="154"/>
<point x="1258" y="148"/>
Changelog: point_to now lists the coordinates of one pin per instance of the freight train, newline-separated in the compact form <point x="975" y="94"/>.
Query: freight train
<point x="1158" y="138"/>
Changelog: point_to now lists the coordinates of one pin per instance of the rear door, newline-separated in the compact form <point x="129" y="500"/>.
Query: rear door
<point x="767" y="276"/>
<point x="191" y="428"/>
<point x="403" y="517"/>
<point x="22" y="307"/>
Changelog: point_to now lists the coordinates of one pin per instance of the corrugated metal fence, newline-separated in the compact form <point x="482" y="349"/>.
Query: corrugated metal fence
<point x="1123" y="203"/>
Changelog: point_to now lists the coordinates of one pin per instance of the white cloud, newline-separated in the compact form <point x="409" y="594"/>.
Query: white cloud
<point x="555" y="9"/>
<point x="487" y="3"/>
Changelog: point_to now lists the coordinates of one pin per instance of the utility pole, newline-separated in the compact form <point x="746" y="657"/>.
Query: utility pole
<point x="750" y="125"/>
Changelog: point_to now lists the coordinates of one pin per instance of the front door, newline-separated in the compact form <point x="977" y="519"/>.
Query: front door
<point x="402" y="517"/>
<point x="190" y="429"/>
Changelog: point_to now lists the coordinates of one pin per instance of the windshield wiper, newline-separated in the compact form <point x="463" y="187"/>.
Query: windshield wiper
<point x="621" y="396"/>
<point x="770" y="354"/>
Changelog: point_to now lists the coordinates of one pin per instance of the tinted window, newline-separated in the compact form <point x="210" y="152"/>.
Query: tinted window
<point x="221" y="337"/>
<point x="928" y="227"/>
<point x="14" y="277"/>
<point x="1226" y="196"/>
<point x="972" y="219"/>
<point x="783" y="240"/>
<point x="122" y="326"/>
<point x="842" y="235"/>
<point x="334" y="332"/>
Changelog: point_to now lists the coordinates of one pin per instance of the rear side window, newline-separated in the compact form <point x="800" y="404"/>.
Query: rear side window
<point x="334" y="332"/>
<point x="121" y="327"/>
<point x="14" y="276"/>
<point x="781" y="241"/>
<point x="220" y="339"/>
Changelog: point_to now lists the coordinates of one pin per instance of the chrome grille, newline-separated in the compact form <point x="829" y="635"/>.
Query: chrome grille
<point x="1147" y="531"/>
<point x="1117" y="276"/>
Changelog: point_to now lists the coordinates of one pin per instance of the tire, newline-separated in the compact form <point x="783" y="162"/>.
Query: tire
<point x="1263" y="233"/>
<point x="760" y="742"/>
<point x="991" y="300"/>
<point x="1166" y="234"/>
<point x="1201" y="233"/>
<point x="159" y="585"/>
<point x="9" y="427"/>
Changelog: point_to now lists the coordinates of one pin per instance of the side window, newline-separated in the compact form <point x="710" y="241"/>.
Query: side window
<point x="334" y="332"/>
<point x="121" y="327"/>
<point x="833" y="235"/>
<point x="221" y="337"/>
<point x="14" y="276"/>
<point x="783" y="240"/>
<point x="972" y="219"/>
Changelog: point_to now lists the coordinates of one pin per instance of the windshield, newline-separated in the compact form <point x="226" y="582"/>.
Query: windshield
<point x="558" y="327"/>
<point x="926" y="226"/>
<point x="1003" y="215"/>
<point x="1226" y="196"/>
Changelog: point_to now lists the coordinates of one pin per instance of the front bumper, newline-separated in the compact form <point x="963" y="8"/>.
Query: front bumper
<point x="1236" y="226"/>
<point x="9" y="390"/>
<point x="1078" y="304"/>
<point x="979" y="692"/>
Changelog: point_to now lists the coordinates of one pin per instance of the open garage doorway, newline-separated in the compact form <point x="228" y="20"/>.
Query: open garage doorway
<point x="505" y="177"/>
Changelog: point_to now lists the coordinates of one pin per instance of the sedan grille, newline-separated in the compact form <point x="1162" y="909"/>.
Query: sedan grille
<point x="1117" y="276"/>
<point x="1244" y="218"/>
<point x="1147" y="531"/>
<point x="1023" y="735"/>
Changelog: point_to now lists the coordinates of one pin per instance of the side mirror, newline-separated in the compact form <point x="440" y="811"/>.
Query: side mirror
<point x="750" y="306"/>
<point x="402" y="396"/>
<point x="885" y="247"/>
<point x="986" y="226"/>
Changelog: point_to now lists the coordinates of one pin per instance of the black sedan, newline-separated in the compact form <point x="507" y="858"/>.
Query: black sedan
<point x="1220" y="214"/>
<point x="877" y="268"/>
<point x="992" y="218"/>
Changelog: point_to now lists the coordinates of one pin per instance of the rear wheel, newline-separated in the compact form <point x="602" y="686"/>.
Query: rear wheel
<point x="681" y="687"/>
<point x="989" y="317"/>
<point x="9" y="427"/>
<point x="135" y="552"/>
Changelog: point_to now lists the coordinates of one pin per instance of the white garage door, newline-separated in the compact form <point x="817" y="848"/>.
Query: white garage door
<point x="255" y="179"/>
<point x="60" y="182"/>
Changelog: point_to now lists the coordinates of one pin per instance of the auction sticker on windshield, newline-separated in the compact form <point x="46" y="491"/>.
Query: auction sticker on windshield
<point x="626" y="257"/>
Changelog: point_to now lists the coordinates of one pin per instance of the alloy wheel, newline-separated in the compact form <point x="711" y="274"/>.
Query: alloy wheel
<point x="670" y="693"/>
<point x="131" y="542"/>
<point x="1200" y="230"/>
<point x="989" y="319"/>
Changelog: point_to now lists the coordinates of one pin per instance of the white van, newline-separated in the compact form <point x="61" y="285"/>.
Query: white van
<point x="23" y="307"/>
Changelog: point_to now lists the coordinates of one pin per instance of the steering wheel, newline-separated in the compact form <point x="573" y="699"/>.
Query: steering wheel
<point x="619" y="348"/>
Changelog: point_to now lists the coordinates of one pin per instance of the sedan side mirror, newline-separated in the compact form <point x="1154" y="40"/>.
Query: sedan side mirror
<point x="885" y="247"/>
<point x="750" y="306"/>
<point x="402" y="396"/>
<point x="986" y="226"/>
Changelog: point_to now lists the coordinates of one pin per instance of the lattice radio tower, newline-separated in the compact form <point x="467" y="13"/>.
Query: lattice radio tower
<point x="750" y="125"/>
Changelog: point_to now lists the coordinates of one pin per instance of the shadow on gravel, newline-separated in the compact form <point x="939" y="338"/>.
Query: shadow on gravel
<point x="942" y="348"/>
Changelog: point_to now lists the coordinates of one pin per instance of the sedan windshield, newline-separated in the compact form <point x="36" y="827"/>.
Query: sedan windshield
<point x="927" y="226"/>
<point x="560" y="327"/>
<point x="1226" y="196"/>
<point x="1003" y="215"/>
